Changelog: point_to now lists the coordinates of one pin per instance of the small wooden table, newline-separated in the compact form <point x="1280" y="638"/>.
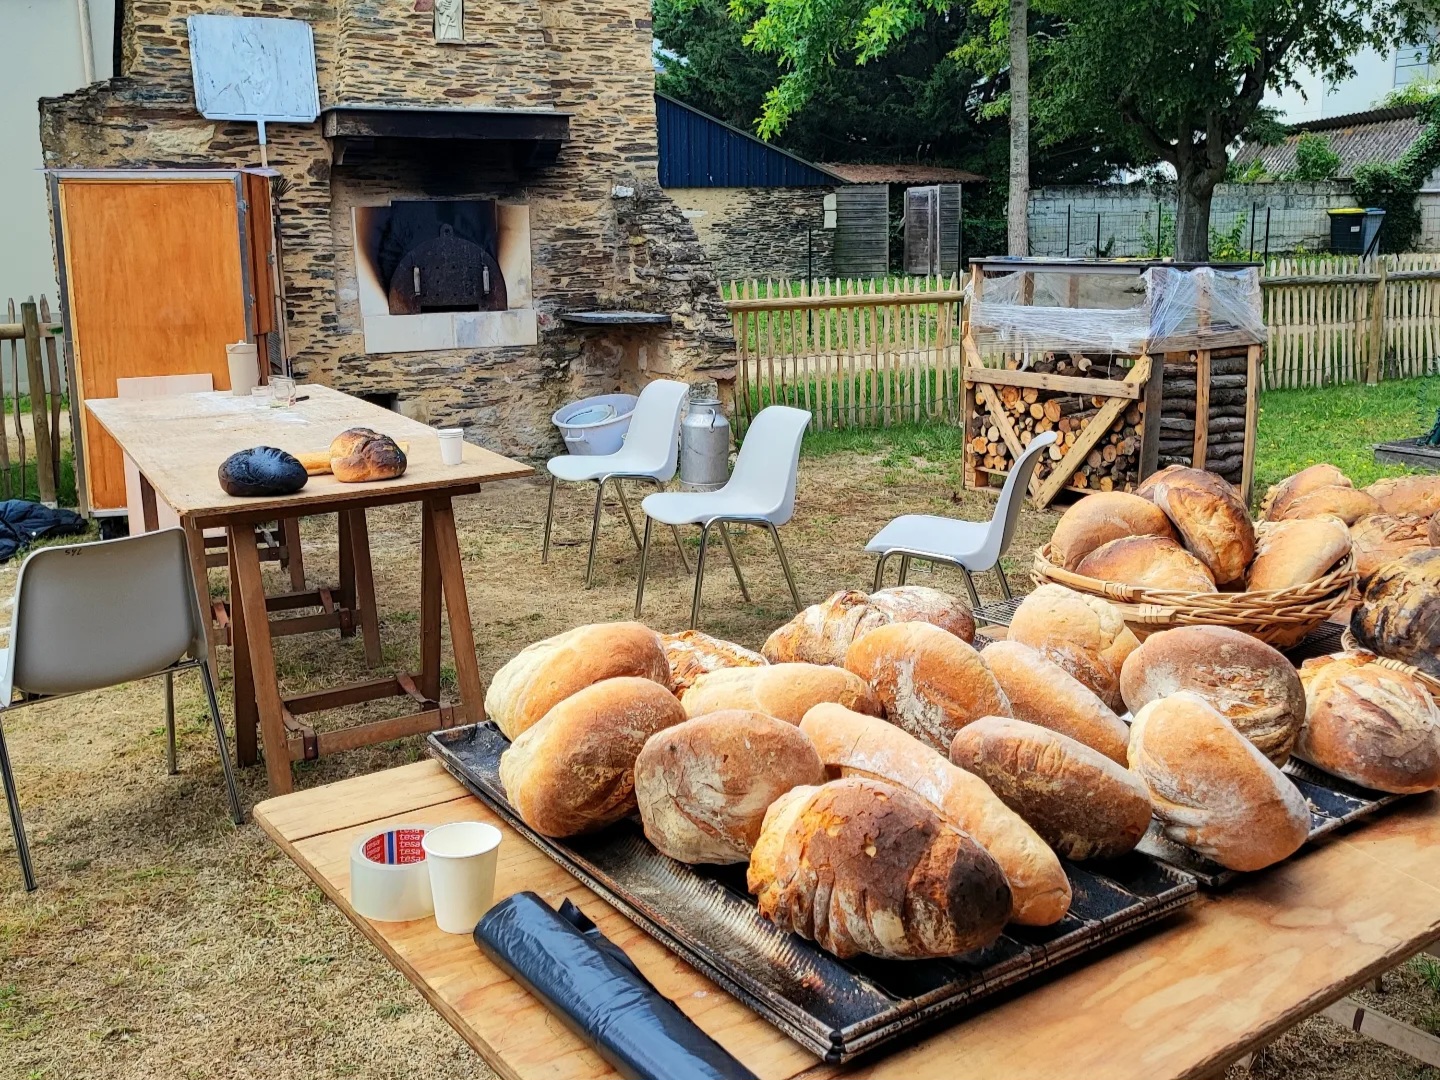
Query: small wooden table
<point x="178" y="443"/>
<point x="1220" y="979"/>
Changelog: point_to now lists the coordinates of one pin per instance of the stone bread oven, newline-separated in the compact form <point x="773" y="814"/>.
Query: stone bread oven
<point x="478" y="173"/>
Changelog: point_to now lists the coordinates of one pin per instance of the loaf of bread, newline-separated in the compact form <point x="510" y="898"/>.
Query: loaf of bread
<point x="784" y="691"/>
<point x="691" y="654"/>
<point x="1151" y="562"/>
<point x="574" y="771"/>
<point x="544" y="674"/>
<point x="1432" y="530"/>
<point x="1382" y="538"/>
<point x="1399" y="611"/>
<point x="929" y="682"/>
<point x="360" y="455"/>
<point x="854" y="745"/>
<point x="1042" y="692"/>
<point x="1209" y="515"/>
<point x="1280" y="495"/>
<point x="1100" y="518"/>
<point x="1370" y="725"/>
<point x="1085" y="635"/>
<point x="1251" y="684"/>
<point x="1212" y="790"/>
<point x="1346" y="503"/>
<point x="1082" y="804"/>
<point x="1417" y="494"/>
<point x="703" y="786"/>
<point x="822" y="632"/>
<point x="860" y="866"/>
<point x="1290" y="553"/>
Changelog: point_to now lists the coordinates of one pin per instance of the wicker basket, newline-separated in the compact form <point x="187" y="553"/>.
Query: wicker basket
<point x="1430" y="683"/>
<point x="1280" y="617"/>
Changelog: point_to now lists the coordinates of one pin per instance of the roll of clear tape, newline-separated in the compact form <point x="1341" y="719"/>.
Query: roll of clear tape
<point x="389" y="880"/>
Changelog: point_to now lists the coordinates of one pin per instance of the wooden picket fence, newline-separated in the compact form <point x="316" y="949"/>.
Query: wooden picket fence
<point x="31" y="453"/>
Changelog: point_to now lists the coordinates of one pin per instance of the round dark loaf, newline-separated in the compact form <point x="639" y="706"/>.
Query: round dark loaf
<point x="1399" y="612"/>
<point x="261" y="471"/>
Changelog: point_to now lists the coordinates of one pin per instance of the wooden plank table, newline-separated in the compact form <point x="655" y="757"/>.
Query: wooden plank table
<point x="178" y="443"/>
<point x="1218" y="980"/>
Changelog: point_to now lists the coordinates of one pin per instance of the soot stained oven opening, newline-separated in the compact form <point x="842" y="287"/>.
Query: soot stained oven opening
<point x="439" y="255"/>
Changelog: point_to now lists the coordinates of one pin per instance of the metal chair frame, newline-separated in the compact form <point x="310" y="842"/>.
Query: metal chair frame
<point x="700" y="561"/>
<point x="595" y="522"/>
<point x="906" y="554"/>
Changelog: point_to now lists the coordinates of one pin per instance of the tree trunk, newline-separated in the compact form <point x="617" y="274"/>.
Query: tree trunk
<point x="1018" y="212"/>
<point x="1195" y="187"/>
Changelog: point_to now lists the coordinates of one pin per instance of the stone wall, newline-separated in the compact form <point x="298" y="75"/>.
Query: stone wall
<point x="603" y="234"/>
<point x="760" y="232"/>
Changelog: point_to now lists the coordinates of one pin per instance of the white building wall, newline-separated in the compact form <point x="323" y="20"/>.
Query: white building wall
<point x="1377" y="72"/>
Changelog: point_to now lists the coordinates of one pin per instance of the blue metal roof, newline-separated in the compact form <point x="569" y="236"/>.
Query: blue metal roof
<point x="697" y="150"/>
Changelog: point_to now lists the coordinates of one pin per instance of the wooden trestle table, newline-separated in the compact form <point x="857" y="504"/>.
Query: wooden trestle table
<point x="178" y="443"/>
<point x="1212" y="983"/>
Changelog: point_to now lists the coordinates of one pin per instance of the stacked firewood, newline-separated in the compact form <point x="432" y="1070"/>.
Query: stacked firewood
<point x="1225" y="422"/>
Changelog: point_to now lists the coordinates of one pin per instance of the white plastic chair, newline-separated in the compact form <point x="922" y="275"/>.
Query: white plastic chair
<point x="651" y="451"/>
<point x="91" y="616"/>
<point x="973" y="546"/>
<point x="761" y="491"/>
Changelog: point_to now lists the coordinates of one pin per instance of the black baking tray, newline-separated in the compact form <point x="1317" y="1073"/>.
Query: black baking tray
<point x="836" y="1008"/>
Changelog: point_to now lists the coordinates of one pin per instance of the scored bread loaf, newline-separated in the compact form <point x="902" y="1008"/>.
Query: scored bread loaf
<point x="544" y="674"/>
<point x="1417" y="494"/>
<point x="1100" y="518"/>
<point x="1399" y="611"/>
<point x="1347" y="503"/>
<point x="854" y="745"/>
<point x="360" y="455"/>
<point x="1042" y="692"/>
<point x="784" y="691"/>
<point x="691" y="654"/>
<point x="1280" y="495"/>
<point x="1150" y="562"/>
<point x="1290" y="553"/>
<point x="929" y="682"/>
<point x="1382" y="538"/>
<point x="1082" y="804"/>
<point x="1368" y="724"/>
<point x="1209" y="515"/>
<point x="1085" y="635"/>
<point x="822" y="632"/>
<point x="703" y="786"/>
<point x="574" y="771"/>
<point x="1212" y="790"/>
<point x="1251" y="684"/>
<point x="861" y="866"/>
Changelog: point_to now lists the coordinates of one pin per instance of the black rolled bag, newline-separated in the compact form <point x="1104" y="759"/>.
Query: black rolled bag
<point x="587" y="980"/>
<point x="262" y="471"/>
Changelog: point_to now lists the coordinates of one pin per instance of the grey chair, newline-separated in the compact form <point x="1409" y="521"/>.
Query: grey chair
<point x="91" y="616"/>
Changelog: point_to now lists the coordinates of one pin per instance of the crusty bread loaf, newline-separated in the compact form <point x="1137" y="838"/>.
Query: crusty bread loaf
<point x="860" y="866"/>
<point x="691" y="654"/>
<point x="703" y="786"/>
<point x="544" y="674"/>
<point x="1399" y="611"/>
<point x="1212" y="790"/>
<point x="1251" y="684"/>
<point x="1382" y="538"/>
<point x="1280" y="495"/>
<point x="929" y="682"/>
<point x="1346" y="503"/>
<point x="1100" y="518"/>
<point x="1416" y="494"/>
<point x="1082" y="804"/>
<point x="574" y="771"/>
<point x="1432" y="530"/>
<point x="822" y="632"/>
<point x="350" y="440"/>
<point x="1370" y="725"/>
<point x="784" y="691"/>
<point x="1042" y="692"/>
<point x="1210" y="517"/>
<point x="1290" y="553"/>
<point x="1152" y="562"/>
<point x="854" y="745"/>
<point x="368" y="457"/>
<point x="1085" y="635"/>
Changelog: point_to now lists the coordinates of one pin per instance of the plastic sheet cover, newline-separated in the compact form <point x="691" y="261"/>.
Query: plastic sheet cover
<point x="588" y="981"/>
<point x="1128" y="314"/>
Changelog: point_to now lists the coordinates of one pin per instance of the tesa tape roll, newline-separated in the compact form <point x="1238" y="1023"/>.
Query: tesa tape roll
<point x="389" y="881"/>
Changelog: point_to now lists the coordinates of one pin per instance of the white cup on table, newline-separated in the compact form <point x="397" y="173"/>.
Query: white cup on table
<point x="452" y="445"/>
<point x="462" y="858"/>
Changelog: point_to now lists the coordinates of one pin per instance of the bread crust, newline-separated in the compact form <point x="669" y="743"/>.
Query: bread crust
<point x="1210" y="517"/>
<point x="1100" y="518"/>
<point x="1280" y="495"/>
<point x="1212" y="790"/>
<point x="691" y="654"/>
<point x="823" y="632"/>
<point x="1291" y="553"/>
<point x="1151" y="562"/>
<point x="574" y="771"/>
<point x="1417" y="494"/>
<point x="1082" y="804"/>
<point x="784" y="691"/>
<point x="1382" y="538"/>
<point x="1346" y="503"/>
<point x="854" y="745"/>
<point x="1042" y="692"/>
<point x="703" y="786"/>
<point x="1399" y="611"/>
<point x="546" y="672"/>
<point x="1085" y="635"/>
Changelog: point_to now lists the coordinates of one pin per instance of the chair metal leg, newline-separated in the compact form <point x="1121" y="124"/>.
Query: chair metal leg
<point x="594" y="533"/>
<point x="904" y="568"/>
<point x="549" y="517"/>
<point x="17" y="824"/>
<point x="236" y="814"/>
<point x="970" y="588"/>
<point x="170" y="765"/>
<point x="644" y="565"/>
<point x="729" y="548"/>
<point x="879" y="572"/>
<point x="1004" y="584"/>
<point x="699" y="576"/>
<point x="625" y="505"/>
<point x="674" y="531"/>
<point x="784" y="565"/>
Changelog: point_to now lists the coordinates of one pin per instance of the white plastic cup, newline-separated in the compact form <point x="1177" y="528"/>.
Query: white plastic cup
<point x="452" y="445"/>
<point x="462" y="858"/>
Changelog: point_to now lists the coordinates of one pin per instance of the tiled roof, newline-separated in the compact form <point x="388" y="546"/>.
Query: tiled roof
<point x="1376" y="135"/>
<point x="902" y="174"/>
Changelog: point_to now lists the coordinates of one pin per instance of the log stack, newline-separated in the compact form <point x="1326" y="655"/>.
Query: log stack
<point x="1225" y="417"/>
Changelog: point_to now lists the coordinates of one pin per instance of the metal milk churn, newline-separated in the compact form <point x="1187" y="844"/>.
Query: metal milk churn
<point x="704" y="441"/>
